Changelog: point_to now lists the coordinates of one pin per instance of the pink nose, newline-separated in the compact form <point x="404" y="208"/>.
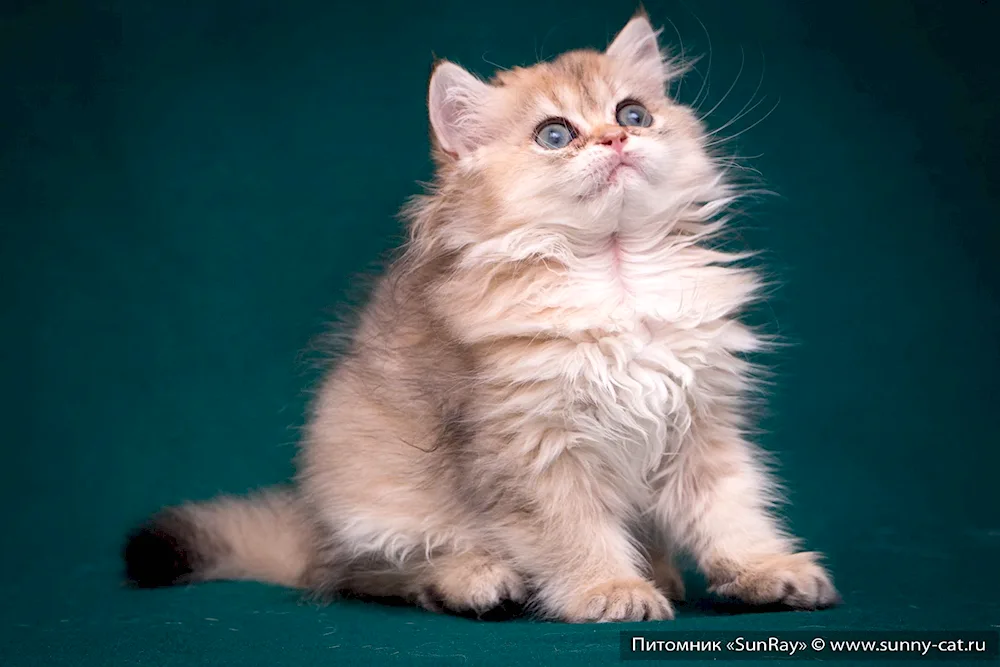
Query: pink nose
<point x="615" y="141"/>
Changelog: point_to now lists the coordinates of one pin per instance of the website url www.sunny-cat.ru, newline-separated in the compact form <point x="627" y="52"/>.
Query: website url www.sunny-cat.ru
<point x="932" y="645"/>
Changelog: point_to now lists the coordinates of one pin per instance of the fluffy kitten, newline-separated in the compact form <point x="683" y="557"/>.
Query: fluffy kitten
<point x="546" y="397"/>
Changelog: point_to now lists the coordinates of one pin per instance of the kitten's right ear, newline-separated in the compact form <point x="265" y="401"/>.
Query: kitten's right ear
<point x="456" y="101"/>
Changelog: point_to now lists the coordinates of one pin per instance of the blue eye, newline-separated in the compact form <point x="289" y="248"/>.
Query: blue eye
<point x="554" y="134"/>
<point x="633" y="114"/>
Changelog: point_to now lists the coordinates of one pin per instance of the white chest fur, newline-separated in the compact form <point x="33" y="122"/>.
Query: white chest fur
<point x="654" y="335"/>
<point x="628" y="391"/>
<point x="619" y="350"/>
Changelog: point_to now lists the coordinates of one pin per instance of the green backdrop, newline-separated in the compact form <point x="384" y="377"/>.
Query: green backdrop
<point x="188" y="188"/>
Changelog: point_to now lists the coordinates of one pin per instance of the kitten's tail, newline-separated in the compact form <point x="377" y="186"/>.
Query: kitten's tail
<point x="266" y="536"/>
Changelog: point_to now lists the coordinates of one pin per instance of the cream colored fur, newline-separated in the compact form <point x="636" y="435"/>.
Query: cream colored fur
<point x="547" y="395"/>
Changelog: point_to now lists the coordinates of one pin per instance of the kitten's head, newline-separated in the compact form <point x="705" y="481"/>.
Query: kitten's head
<point x="586" y="145"/>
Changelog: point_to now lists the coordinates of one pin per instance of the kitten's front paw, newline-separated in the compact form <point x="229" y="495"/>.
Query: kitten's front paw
<point x="796" y="580"/>
<point x="619" y="600"/>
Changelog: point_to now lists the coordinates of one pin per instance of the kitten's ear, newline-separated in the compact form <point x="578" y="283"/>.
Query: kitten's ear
<point x="637" y="46"/>
<point x="456" y="101"/>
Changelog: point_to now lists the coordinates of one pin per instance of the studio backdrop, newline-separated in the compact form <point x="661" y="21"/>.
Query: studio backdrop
<point x="190" y="190"/>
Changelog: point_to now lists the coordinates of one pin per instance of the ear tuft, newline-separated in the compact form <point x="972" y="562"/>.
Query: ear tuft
<point x="456" y="101"/>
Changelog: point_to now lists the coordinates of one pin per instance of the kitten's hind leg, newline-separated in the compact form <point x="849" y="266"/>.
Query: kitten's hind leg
<point x="462" y="582"/>
<point x="471" y="581"/>
<point x="413" y="548"/>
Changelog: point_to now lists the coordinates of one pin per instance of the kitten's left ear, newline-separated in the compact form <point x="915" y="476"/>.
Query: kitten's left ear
<point x="637" y="46"/>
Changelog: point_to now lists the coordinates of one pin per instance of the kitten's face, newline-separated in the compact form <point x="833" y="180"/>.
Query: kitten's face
<point x="585" y="135"/>
<point x="588" y="143"/>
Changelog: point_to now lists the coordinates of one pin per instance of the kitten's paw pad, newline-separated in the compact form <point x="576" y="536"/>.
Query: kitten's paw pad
<point x="795" y="580"/>
<point x="476" y="584"/>
<point x="620" y="600"/>
<point x="668" y="579"/>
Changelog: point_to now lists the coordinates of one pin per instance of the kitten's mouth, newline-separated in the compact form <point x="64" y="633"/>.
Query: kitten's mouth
<point x="613" y="175"/>
<point x="619" y="170"/>
<point x="609" y="178"/>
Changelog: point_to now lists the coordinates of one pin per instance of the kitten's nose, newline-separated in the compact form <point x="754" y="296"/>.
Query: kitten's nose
<point x="614" y="138"/>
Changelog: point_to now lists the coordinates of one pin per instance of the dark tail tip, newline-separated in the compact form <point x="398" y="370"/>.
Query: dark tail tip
<point x="161" y="552"/>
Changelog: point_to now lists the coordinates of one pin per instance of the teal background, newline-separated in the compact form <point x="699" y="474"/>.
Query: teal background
<point x="188" y="189"/>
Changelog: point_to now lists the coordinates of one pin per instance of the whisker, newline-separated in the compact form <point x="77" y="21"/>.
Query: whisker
<point x="743" y="60"/>
<point x="736" y="118"/>
<point x="740" y="113"/>
<point x="490" y="62"/>
<point x="728" y="158"/>
<point x="747" y="129"/>
<point x="734" y="163"/>
<point x="680" y="40"/>
<point x="704" y="82"/>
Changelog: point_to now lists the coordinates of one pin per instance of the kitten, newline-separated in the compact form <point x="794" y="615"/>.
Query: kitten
<point x="546" y="398"/>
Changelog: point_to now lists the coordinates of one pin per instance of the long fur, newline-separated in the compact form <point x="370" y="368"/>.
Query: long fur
<point x="546" y="397"/>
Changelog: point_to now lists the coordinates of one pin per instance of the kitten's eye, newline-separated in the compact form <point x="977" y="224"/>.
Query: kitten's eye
<point x="554" y="134"/>
<point x="633" y="114"/>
